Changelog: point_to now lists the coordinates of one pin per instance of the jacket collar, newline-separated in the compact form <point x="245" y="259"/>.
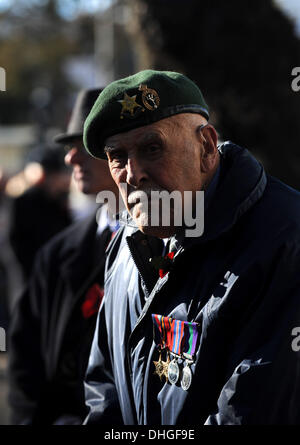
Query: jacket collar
<point x="242" y="182"/>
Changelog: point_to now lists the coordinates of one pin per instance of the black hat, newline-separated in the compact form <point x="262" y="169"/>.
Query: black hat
<point x="83" y="105"/>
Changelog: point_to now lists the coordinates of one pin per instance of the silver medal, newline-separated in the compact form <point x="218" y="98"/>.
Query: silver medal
<point x="186" y="378"/>
<point x="173" y="372"/>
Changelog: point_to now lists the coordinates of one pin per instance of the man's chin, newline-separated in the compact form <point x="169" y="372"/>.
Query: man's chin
<point x="158" y="230"/>
<point x="84" y="187"/>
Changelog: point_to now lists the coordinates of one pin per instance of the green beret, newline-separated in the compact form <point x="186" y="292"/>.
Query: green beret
<point x="139" y="100"/>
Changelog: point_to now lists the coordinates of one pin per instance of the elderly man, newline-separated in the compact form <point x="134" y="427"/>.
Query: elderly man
<point x="193" y="329"/>
<point x="53" y="325"/>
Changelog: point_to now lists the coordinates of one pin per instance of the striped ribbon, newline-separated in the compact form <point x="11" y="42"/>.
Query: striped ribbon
<point x="159" y="330"/>
<point x="191" y="336"/>
<point x="177" y="336"/>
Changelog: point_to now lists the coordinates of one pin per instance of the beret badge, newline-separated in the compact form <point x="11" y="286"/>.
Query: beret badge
<point x="132" y="109"/>
<point x="150" y="97"/>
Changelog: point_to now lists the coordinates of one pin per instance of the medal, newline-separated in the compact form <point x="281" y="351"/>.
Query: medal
<point x="189" y="349"/>
<point x="159" y="367"/>
<point x="166" y="367"/>
<point x="186" y="378"/>
<point x="159" y="334"/>
<point x="173" y="372"/>
<point x="178" y="338"/>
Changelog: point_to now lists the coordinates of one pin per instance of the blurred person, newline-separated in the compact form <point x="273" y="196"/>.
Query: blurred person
<point x="4" y="275"/>
<point x="53" y="325"/>
<point x="42" y="210"/>
<point x="205" y="329"/>
<point x="11" y="281"/>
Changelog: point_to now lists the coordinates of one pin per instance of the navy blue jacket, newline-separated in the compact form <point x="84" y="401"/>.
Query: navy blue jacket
<point x="240" y="281"/>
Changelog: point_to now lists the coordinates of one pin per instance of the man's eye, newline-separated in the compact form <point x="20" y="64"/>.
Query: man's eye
<point x="152" y="149"/>
<point x="116" y="156"/>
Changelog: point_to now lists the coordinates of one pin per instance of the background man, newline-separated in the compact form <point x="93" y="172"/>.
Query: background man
<point x="204" y="335"/>
<point x="42" y="211"/>
<point x="53" y="326"/>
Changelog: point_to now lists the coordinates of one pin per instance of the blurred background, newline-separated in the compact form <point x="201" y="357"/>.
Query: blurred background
<point x="241" y="54"/>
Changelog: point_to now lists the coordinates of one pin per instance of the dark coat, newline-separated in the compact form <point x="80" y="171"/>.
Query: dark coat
<point x="240" y="281"/>
<point x="49" y="336"/>
<point x="36" y="217"/>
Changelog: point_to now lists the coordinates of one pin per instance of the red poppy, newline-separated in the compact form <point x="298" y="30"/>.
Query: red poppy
<point x="163" y="272"/>
<point x="92" y="300"/>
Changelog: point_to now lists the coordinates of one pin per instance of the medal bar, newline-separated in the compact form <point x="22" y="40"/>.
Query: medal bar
<point x="179" y="339"/>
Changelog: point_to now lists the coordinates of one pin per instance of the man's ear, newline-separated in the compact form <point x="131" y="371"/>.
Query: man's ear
<point x="209" y="140"/>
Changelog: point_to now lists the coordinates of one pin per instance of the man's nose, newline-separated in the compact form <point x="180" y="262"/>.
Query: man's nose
<point x="136" y="173"/>
<point x="74" y="156"/>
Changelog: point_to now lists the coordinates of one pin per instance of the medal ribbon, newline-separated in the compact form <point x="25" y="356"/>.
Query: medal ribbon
<point x="177" y="336"/>
<point x="159" y="330"/>
<point x="178" y="333"/>
<point x="191" y="336"/>
<point x="169" y="323"/>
